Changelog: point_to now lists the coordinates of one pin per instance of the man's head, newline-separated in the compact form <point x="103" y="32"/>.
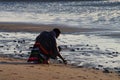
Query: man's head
<point x="57" y="32"/>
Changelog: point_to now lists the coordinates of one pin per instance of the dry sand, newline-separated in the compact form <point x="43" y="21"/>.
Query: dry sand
<point x="12" y="69"/>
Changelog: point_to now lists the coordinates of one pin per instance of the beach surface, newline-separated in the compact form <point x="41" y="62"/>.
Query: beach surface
<point x="18" y="69"/>
<point x="26" y="27"/>
<point x="15" y="69"/>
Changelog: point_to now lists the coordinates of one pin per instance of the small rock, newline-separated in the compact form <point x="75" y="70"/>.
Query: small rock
<point x="1" y="46"/>
<point x="100" y="65"/>
<point x="14" y="41"/>
<point x="106" y="71"/>
<point x="72" y="50"/>
<point x="78" y="48"/>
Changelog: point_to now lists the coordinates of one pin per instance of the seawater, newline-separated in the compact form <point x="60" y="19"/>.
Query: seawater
<point x="82" y="14"/>
<point x="80" y="50"/>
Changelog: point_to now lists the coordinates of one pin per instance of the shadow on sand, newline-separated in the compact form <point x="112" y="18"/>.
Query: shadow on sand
<point x="16" y="63"/>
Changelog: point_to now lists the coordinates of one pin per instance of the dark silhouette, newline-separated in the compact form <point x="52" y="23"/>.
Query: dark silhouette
<point x="45" y="47"/>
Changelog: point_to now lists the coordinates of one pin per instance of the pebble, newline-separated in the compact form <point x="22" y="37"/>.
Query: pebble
<point x="100" y="65"/>
<point x="72" y="50"/>
<point x="106" y="71"/>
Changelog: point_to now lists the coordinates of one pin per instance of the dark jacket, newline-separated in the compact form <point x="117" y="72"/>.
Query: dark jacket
<point x="48" y="42"/>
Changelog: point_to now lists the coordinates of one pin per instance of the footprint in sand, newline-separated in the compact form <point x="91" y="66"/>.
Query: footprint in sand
<point x="58" y="72"/>
<point x="21" y="77"/>
<point x="39" y="68"/>
<point x="31" y="66"/>
<point x="14" y="73"/>
<point x="1" y="70"/>
<point x="82" y="77"/>
<point x="55" y="77"/>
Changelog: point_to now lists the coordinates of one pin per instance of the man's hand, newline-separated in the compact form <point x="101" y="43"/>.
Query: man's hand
<point x="65" y="62"/>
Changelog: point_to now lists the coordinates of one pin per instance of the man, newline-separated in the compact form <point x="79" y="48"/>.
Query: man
<point x="45" y="47"/>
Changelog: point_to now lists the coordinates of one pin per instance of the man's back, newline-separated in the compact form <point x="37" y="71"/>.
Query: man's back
<point x="48" y="42"/>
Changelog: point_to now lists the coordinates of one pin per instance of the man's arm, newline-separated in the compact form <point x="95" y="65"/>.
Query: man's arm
<point x="59" y="55"/>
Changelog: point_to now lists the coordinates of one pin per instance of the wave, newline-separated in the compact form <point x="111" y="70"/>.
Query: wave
<point x="105" y="4"/>
<point x="48" y="0"/>
<point x="97" y="4"/>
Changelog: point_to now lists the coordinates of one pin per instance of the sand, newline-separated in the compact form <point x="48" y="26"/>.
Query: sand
<point x="15" y="27"/>
<point x="13" y="69"/>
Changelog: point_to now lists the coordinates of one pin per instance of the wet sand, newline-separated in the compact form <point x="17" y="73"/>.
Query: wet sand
<point x="15" y="27"/>
<point x="18" y="71"/>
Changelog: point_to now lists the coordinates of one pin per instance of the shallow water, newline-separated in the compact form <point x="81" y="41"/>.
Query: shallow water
<point x="93" y="50"/>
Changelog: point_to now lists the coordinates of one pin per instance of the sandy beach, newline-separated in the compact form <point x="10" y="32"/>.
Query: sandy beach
<point x="15" y="69"/>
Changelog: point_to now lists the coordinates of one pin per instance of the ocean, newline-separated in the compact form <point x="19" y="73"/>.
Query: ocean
<point x="82" y="14"/>
<point x="94" y="49"/>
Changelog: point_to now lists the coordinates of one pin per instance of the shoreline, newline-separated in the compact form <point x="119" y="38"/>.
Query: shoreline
<point x="29" y="27"/>
<point x="49" y="72"/>
<point x="20" y="69"/>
